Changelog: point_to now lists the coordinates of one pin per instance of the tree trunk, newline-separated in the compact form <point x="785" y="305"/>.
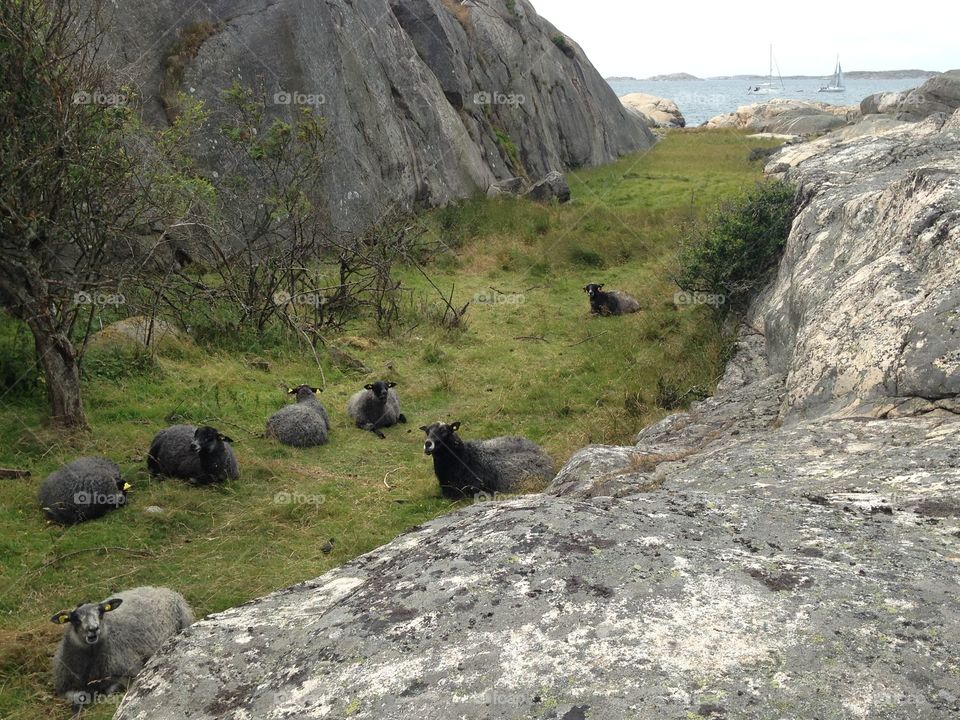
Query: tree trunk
<point x="61" y="373"/>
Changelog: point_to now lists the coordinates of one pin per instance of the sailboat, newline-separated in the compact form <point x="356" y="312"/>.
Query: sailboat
<point x="769" y="87"/>
<point x="836" y="84"/>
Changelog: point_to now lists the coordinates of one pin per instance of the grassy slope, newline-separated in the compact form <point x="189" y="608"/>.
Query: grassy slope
<point x="222" y="546"/>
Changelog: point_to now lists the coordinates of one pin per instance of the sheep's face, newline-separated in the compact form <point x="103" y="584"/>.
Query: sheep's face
<point x="593" y="290"/>
<point x="86" y="621"/>
<point x="207" y="440"/>
<point x="303" y="392"/>
<point x="439" y="435"/>
<point x="380" y="389"/>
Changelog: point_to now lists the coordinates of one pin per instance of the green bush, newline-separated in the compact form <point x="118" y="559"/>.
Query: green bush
<point x="732" y="253"/>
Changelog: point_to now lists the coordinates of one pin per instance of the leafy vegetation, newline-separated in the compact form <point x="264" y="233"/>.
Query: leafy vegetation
<point x="731" y="253"/>
<point x="527" y="359"/>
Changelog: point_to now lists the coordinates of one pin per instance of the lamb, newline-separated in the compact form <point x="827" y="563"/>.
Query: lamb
<point x="615" y="302"/>
<point x="375" y="407"/>
<point x="197" y="454"/>
<point x="82" y="490"/>
<point x="465" y="468"/>
<point x="108" y="643"/>
<point x="303" y="424"/>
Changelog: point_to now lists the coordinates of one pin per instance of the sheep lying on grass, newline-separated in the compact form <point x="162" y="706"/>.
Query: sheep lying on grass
<point x="466" y="468"/>
<point x="615" y="302"/>
<point x="82" y="490"/>
<point x="303" y="424"/>
<point x="198" y="454"/>
<point x="375" y="407"/>
<point x="108" y="643"/>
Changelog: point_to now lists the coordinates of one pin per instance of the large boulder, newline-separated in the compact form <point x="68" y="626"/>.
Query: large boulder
<point x="553" y="186"/>
<point x="426" y="100"/>
<point x="791" y="117"/>
<point x="655" y="111"/>
<point x="938" y="94"/>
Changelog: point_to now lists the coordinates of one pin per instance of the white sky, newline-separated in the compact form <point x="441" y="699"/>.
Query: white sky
<point x="708" y="38"/>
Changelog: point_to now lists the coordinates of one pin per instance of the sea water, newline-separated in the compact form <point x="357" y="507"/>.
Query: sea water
<point x="700" y="100"/>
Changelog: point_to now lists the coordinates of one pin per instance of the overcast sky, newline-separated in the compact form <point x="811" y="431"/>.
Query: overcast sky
<point x="636" y="38"/>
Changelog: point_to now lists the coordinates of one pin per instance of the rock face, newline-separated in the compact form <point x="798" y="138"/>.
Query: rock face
<point x="427" y="100"/>
<point x="791" y="117"/>
<point x="939" y="94"/>
<point x="787" y="548"/>
<point x="655" y="112"/>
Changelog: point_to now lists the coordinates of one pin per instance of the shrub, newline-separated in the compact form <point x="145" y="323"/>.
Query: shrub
<point x="758" y="154"/>
<point x="733" y="251"/>
<point x="561" y="41"/>
<point x="587" y="258"/>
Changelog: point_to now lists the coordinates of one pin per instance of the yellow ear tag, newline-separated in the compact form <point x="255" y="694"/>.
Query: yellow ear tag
<point x="107" y="607"/>
<point x="127" y="486"/>
<point x="64" y="618"/>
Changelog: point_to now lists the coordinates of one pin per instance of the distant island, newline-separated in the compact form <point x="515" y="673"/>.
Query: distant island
<point x="853" y="75"/>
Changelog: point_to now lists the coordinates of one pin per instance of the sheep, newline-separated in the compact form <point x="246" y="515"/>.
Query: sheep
<point x="108" y="643"/>
<point x="376" y="406"/>
<point x="82" y="490"/>
<point x="198" y="454"/>
<point x="498" y="465"/>
<point x="615" y="302"/>
<point x="303" y="424"/>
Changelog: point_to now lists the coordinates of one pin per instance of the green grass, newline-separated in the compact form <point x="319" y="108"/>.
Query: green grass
<point x="588" y="380"/>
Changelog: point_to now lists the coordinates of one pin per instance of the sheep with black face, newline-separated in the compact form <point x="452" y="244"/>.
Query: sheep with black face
<point x="198" y="454"/>
<point x="615" y="302"/>
<point x="106" y="644"/>
<point x="375" y="407"/>
<point x="303" y="424"/>
<point x="82" y="490"/>
<point x="499" y="465"/>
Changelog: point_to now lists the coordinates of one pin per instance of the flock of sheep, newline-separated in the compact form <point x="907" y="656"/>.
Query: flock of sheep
<point x="108" y="643"/>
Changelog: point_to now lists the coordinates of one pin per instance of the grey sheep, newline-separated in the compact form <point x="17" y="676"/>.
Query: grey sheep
<point x="375" y="407"/>
<point x="108" y="643"/>
<point x="614" y="302"/>
<point x="467" y="468"/>
<point x="198" y="454"/>
<point x="303" y="424"/>
<point x="82" y="490"/>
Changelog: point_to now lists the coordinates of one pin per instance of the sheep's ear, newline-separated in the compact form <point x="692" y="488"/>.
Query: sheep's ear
<point x="292" y="391"/>
<point x="111" y="604"/>
<point x="425" y="428"/>
<point x="126" y="486"/>
<point x="61" y="618"/>
<point x="586" y="288"/>
<point x="223" y="438"/>
<point x="391" y="384"/>
<point x="455" y="425"/>
<point x="316" y="390"/>
<point x="599" y="286"/>
<point x="368" y="386"/>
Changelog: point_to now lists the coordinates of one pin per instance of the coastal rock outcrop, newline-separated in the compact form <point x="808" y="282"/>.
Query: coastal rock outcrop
<point x="785" y="116"/>
<point x="426" y="100"/>
<point x="786" y="548"/>
<point x="656" y="112"/>
<point x="939" y="94"/>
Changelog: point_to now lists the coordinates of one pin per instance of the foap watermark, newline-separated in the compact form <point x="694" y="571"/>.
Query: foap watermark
<point x="88" y="698"/>
<point x="683" y="297"/>
<point x="282" y="297"/>
<point x="94" y="498"/>
<point x="298" y="98"/>
<point x="499" y="98"/>
<point x="494" y="697"/>
<point x="294" y="498"/>
<point x="498" y="298"/>
<point x="85" y="97"/>
<point x="88" y="298"/>
<point x="484" y="496"/>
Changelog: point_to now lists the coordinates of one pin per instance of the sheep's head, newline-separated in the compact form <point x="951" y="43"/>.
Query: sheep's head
<point x="593" y="290"/>
<point x="380" y="389"/>
<point x="208" y="440"/>
<point x="86" y="621"/>
<point x="440" y="435"/>
<point x="303" y="392"/>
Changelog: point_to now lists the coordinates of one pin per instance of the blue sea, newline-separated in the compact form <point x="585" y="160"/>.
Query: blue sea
<point x="700" y="100"/>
